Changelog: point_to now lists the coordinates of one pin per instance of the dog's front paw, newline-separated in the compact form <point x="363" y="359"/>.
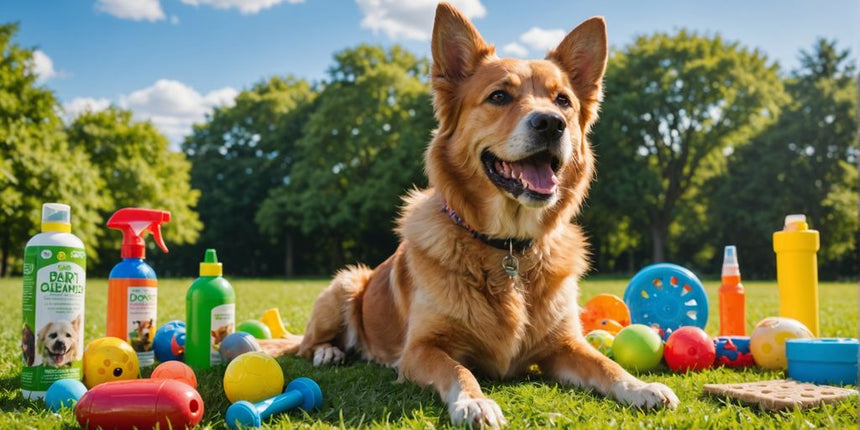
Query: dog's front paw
<point x="644" y="395"/>
<point x="480" y="413"/>
<point x="327" y="354"/>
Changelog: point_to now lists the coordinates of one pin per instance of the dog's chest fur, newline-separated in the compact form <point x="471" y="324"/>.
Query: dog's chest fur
<point x="483" y="317"/>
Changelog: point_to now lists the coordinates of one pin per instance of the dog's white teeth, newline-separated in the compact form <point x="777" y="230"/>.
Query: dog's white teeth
<point x="517" y="171"/>
<point x="507" y="169"/>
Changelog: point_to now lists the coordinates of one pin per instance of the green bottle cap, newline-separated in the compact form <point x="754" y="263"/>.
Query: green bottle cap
<point x="210" y="265"/>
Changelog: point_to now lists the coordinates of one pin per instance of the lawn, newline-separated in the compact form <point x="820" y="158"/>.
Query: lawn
<point x="361" y="394"/>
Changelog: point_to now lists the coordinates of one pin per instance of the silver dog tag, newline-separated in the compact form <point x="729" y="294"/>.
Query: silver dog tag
<point x="511" y="265"/>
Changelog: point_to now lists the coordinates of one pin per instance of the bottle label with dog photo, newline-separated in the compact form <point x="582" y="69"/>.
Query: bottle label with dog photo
<point x="53" y="309"/>
<point x="223" y="323"/>
<point x="142" y="321"/>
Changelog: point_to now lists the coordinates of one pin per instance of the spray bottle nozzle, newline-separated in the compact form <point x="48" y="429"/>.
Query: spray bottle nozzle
<point x="730" y="261"/>
<point x="134" y="223"/>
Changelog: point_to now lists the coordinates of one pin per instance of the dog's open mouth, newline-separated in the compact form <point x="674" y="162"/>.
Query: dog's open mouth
<point x="58" y="358"/>
<point x="534" y="175"/>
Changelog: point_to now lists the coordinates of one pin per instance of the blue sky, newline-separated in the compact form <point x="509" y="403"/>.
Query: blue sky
<point x="171" y="61"/>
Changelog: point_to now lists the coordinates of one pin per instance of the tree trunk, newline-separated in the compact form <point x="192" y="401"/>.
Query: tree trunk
<point x="658" y="240"/>
<point x="4" y="255"/>
<point x="289" y="255"/>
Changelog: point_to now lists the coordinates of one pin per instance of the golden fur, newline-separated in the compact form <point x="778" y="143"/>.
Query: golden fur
<point x="442" y="306"/>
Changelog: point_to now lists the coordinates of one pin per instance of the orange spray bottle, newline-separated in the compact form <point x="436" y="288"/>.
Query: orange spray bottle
<point x="732" y="297"/>
<point x="132" y="284"/>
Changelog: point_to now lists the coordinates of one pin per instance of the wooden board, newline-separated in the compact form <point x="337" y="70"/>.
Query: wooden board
<point x="781" y="394"/>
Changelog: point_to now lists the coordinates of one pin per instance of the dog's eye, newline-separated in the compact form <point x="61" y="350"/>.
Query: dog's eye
<point x="562" y="101"/>
<point x="68" y="335"/>
<point x="53" y="335"/>
<point x="499" y="98"/>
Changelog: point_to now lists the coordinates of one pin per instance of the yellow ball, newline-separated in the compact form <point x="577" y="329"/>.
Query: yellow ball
<point x="601" y="340"/>
<point x="767" y="342"/>
<point x="253" y="376"/>
<point x="109" y="359"/>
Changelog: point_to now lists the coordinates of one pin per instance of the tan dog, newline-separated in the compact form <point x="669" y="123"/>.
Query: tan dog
<point x="485" y="277"/>
<point x="57" y="342"/>
<point x="143" y="341"/>
<point x="218" y="335"/>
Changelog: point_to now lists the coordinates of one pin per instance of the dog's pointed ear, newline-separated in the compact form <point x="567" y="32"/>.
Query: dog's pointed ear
<point x="457" y="50"/>
<point x="582" y="54"/>
<point x="76" y="323"/>
<point x="457" y="46"/>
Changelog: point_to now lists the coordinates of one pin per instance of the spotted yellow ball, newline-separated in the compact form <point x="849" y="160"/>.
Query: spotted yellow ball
<point x="109" y="359"/>
<point x="767" y="342"/>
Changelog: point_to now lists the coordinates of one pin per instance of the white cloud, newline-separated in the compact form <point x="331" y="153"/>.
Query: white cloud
<point x="245" y="6"/>
<point x="174" y="19"/>
<point x="173" y="106"/>
<point x="401" y="19"/>
<point x="515" y="49"/>
<point x="43" y="66"/>
<point x="80" y="105"/>
<point x="541" y="39"/>
<point x="137" y="10"/>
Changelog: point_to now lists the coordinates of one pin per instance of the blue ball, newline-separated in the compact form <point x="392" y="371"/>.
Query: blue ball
<point x="64" y="393"/>
<point x="236" y="344"/>
<point x="163" y="339"/>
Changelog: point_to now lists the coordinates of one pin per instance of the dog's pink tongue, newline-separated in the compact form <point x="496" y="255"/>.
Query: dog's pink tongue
<point x="539" y="177"/>
<point x="58" y="358"/>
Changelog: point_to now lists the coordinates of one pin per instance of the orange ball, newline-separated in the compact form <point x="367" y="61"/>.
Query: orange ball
<point x="175" y="370"/>
<point x="612" y="326"/>
<point x="601" y="308"/>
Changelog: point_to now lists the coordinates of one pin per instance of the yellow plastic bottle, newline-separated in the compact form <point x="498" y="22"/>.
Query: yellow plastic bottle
<point x="797" y="271"/>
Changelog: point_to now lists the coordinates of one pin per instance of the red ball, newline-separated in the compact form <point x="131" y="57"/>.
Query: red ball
<point x="175" y="370"/>
<point x="689" y="348"/>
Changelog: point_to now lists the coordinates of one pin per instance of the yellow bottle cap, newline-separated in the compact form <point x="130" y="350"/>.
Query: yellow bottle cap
<point x="795" y="222"/>
<point x="210" y="265"/>
<point x="56" y="217"/>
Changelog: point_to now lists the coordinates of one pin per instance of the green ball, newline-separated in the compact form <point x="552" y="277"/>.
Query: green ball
<point x="255" y="328"/>
<point x="637" y="347"/>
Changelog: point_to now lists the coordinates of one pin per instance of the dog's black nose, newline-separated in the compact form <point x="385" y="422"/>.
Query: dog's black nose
<point x="549" y="126"/>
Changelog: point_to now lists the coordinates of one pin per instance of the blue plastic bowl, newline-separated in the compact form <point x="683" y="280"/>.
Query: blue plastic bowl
<point x="823" y="361"/>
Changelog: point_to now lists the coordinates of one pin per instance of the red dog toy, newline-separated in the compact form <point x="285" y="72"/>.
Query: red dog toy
<point x="689" y="348"/>
<point x="141" y="403"/>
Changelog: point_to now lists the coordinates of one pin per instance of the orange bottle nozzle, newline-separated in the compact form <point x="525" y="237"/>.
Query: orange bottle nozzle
<point x="134" y="223"/>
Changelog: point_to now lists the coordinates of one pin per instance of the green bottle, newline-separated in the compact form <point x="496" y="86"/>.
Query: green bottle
<point x="210" y="308"/>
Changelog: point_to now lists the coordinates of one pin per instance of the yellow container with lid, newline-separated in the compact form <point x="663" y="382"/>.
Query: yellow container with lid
<point x="796" y="248"/>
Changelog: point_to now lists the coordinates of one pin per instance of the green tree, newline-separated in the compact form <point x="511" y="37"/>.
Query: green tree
<point x="36" y="163"/>
<point x="804" y="163"/>
<point x="138" y="169"/>
<point x="360" y="151"/>
<point x="238" y="155"/>
<point x="673" y="104"/>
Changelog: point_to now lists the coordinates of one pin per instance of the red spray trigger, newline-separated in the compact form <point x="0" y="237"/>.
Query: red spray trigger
<point x="134" y="223"/>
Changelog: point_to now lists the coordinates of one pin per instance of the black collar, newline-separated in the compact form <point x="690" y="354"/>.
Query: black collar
<point x="505" y="244"/>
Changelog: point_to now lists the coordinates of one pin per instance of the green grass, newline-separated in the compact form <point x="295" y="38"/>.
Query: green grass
<point x="361" y="394"/>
